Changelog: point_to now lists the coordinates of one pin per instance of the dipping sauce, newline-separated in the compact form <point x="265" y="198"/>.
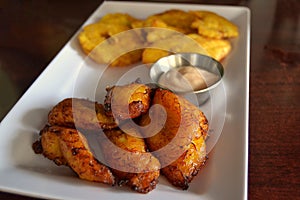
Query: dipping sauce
<point x="187" y="78"/>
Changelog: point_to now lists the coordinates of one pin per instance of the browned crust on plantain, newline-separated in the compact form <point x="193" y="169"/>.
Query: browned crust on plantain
<point x="128" y="101"/>
<point x="129" y="160"/>
<point x="67" y="146"/>
<point x="180" y="144"/>
<point x="182" y="171"/>
<point x="80" y="113"/>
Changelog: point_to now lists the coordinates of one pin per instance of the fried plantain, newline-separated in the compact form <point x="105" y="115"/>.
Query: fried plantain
<point x="180" y="143"/>
<point x="126" y="154"/>
<point x="122" y="19"/>
<point x="153" y="29"/>
<point x="150" y="22"/>
<point x="69" y="147"/>
<point x="182" y="171"/>
<point x="122" y="49"/>
<point x="80" y="113"/>
<point x="176" y="19"/>
<point x="212" y="25"/>
<point x="216" y="48"/>
<point x="93" y="34"/>
<point x="151" y="55"/>
<point x="169" y="45"/>
<point x="127" y="101"/>
<point x="105" y="44"/>
<point x="164" y="25"/>
<point x="48" y="145"/>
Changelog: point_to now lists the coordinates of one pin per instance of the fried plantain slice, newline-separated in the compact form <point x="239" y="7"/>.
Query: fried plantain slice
<point x="119" y="50"/>
<point x="155" y="26"/>
<point x="48" y="145"/>
<point x="151" y="55"/>
<point x="176" y="19"/>
<point x="76" y="151"/>
<point x="99" y="41"/>
<point x="122" y="19"/>
<point x="212" y="25"/>
<point x="150" y="22"/>
<point x="182" y="171"/>
<point x="126" y="154"/>
<point x="70" y="147"/>
<point x="93" y="34"/>
<point x="180" y="143"/>
<point x="164" y="46"/>
<point x="127" y="101"/>
<point x="151" y="29"/>
<point x="215" y="48"/>
<point x="80" y="113"/>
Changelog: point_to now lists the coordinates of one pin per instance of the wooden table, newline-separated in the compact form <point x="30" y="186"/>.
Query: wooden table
<point x="27" y="46"/>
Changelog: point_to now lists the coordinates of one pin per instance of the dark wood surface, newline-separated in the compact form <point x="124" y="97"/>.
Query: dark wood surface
<point x="33" y="32"/>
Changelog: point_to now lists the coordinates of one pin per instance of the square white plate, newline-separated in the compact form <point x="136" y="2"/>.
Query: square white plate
<point x="23" y="172"/>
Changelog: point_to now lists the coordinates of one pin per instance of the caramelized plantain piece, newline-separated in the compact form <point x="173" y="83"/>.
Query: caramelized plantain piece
<point x="79" y="157"/>
<point x="126" y="154"/>
<point x="212" y="25"/>
<point x="180" y="143"/>
<point x="182" y="171"/>
<point x="127" y="101"/>
<point x="71" y="148"/>
<point x="49" y="146"/>
<point x="80" y="113"/>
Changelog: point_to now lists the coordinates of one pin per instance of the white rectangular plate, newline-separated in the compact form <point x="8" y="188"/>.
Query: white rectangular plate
<point x="23" y="172"/>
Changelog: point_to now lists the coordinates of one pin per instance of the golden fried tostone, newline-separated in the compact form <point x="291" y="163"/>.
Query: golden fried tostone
<point x="97" y="40"/>
<point x="215" y="48"/>
<point x="175" y="19"/>
<point x="115" y="41"/>
<point x="174" y="43"/>
<point x="212" y="25"/>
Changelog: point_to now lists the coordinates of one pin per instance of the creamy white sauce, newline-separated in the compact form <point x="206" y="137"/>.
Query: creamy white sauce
<point x="187" y="78"/>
